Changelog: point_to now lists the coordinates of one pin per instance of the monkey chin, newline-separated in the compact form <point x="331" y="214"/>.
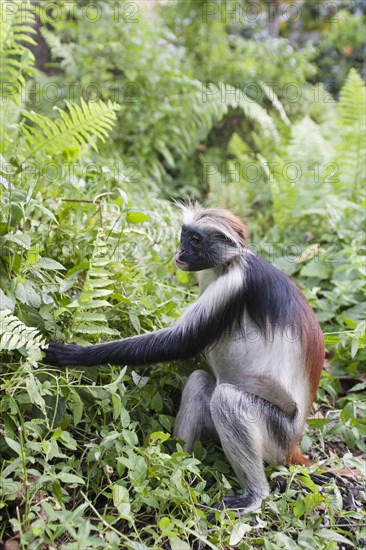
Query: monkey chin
<point x="181" y="265"/>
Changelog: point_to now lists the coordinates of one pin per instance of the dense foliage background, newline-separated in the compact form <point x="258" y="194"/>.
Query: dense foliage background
<point x="108" y="111"/>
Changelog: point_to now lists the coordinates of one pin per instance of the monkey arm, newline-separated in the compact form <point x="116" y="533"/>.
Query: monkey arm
<point x="180" y="341"/>
<point x="163" y="345"/>
<point x="201" y="325"/>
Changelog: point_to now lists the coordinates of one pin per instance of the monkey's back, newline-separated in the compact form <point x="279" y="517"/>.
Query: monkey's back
<point x="277" y="335"/>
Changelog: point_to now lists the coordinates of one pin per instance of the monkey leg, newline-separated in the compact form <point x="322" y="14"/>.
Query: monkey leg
<point x="251" y="430"/>
<point x="194" y="415"/>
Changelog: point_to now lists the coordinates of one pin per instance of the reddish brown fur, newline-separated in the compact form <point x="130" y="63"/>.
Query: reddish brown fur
<point x="296" y="457"/>
<point x="315" y="354"/>
<point x="313" y="345"/>
<point x="228" y="220"/>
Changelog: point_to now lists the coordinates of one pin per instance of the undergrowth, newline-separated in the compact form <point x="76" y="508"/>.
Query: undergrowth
<point x="88" y="459"/>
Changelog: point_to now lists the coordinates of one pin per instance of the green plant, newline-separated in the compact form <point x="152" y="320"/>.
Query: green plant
<point x="86" y="242"/>
<point x="70" y="131"/>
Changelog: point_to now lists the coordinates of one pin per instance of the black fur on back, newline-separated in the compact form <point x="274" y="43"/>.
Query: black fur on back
<point x="271" y="299"/>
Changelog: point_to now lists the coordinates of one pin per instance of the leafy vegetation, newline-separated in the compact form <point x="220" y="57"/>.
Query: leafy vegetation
<point x="151" y="105"/>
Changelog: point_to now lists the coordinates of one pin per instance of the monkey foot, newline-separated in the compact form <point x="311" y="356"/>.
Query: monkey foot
<point x="240" y="504"/>
<point x="243" y="504"/>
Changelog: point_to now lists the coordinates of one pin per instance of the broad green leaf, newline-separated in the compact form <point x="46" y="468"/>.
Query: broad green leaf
<point x="328" y="534"/>
<point x="6" y="302"/>
<point x="178" y="544"/>
<point x="48" y="263"/>
<point x="137" y="217"/>
<point x="319" y="269"/>
<point x="120" y="495"/>
<point x="34" y="392"/>
<point x="76" y="406"/>
<point x="19" y="238"/>
<point x="158" y="437"/>
<point x="238" y="532"/>
<point x="164" y="524"/>
<point x="13" y="445"/>
<point x="65" y="477"/>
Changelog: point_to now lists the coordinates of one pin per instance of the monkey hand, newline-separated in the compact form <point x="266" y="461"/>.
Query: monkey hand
<point x="62" y="355"/>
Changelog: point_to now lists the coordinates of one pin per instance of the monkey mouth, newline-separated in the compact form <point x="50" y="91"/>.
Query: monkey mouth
<point x="180" y="264"/>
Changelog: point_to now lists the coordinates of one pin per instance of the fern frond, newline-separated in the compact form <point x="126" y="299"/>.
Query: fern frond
<point x="16" y="60"/>
<point x="62" y="51"/>
<point x="270" y="94"/>
<point x="232" y="187"/>
<point x="94" y="296"/>
<point x="351" y="107"/>
<point x="300" y="174"/>
<point x="307" y="148"/>
<point x="71" y="130"/>
<point x="15" y="335"/>
<point x="284" y="194"/>
<point x="196" y="108"/>
<point x="229" y="96"/>
<point x="237" y="146"/>
<point x="352" y="146"/>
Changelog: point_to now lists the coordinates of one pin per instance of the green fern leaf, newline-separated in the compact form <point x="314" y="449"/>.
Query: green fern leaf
<point x="305" y="153"/>
<point x="16" y="61"/>
<point x="237" y="146"/>
<point x="15" y="335"/>
<point x="352" y="146"/>
<point x="94" y="296"/>
<point x="71" y="130"/>
<point x="59" y="50"/>
<point x="229" y="187"/>
<point x="284" y="194"/>
<point x="229" y="96"/>
<point x="16" y="27"/>
<point x="268" y="90"/>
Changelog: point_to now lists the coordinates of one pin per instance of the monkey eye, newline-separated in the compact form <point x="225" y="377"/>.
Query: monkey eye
<point x="195" y="240"/>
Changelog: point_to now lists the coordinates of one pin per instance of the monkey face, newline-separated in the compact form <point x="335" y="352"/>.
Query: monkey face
<point x="199" y="249"/>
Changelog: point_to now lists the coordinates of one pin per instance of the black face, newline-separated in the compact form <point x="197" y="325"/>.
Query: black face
<point x="200" y="250"/>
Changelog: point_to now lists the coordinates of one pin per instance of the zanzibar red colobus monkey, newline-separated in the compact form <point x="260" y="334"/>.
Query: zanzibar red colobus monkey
<point x="261" y="340"/>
